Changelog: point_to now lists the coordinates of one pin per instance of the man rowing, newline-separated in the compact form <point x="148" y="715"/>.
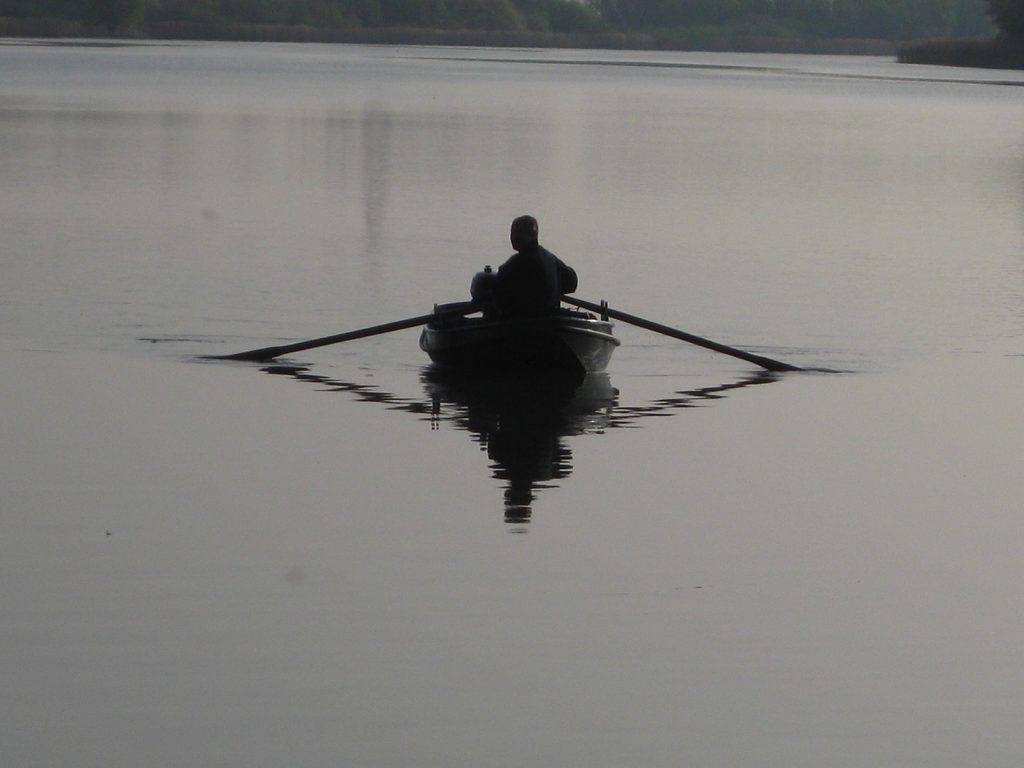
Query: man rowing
<point x="531" y="282"/>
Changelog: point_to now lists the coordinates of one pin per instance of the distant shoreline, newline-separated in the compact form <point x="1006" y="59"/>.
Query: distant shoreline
<point x="65" y="29"/>
<point x="975" y="52"/>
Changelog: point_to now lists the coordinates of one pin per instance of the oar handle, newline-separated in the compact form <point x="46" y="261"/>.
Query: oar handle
<point x="606" y="311"/>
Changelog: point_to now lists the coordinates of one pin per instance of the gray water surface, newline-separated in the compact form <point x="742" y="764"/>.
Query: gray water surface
<point x="203" y="564"/>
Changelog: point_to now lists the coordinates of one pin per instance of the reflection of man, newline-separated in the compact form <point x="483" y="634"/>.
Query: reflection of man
<point x="527" y="450"/>
<point x="523" y="424"/>
<point x="533" y="279"/>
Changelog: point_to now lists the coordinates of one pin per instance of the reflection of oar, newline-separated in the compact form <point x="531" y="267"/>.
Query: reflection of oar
<point x="764" y="362"/>
<point x="269" y="353"/>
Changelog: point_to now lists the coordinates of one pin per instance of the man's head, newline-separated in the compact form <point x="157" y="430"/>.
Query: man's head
<point x="524" y="232"/>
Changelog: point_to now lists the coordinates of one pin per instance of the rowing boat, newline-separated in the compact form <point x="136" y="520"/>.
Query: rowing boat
<point x="566" y="340"/>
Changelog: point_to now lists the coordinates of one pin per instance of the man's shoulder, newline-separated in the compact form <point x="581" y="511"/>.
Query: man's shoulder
<point x="511" y="261"/>
<point x="549" y="256"/>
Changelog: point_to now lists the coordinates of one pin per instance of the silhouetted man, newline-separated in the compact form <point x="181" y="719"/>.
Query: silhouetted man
<point x="533" y="279"/>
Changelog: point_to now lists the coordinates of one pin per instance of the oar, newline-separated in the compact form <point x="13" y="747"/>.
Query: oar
<point x="269" y="353"/>
<point x="764" y="362"/>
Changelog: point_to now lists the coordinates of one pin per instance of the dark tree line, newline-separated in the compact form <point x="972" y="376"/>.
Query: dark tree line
<point x="1008" y="16"/>
<point x="882" y="19"/>
<point x="539" y="15"/>
<point x="533" y="15"/>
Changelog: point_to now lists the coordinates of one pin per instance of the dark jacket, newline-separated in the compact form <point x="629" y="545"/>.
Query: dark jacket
<point x="532" y="282"/>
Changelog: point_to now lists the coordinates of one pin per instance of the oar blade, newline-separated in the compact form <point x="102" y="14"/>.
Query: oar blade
<point x="253" y="355"/>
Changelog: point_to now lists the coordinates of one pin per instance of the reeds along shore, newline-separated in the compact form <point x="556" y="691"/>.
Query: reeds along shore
<point x="982" y="53"/>
<point x="60" y="28"/>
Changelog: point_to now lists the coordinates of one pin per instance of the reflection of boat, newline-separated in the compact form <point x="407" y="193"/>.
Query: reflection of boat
<point x="567" y="340"/>
<point x="521" y="420"/>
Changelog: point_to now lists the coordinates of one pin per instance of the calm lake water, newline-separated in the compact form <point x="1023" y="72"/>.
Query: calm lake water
<point x="350" y="563"/>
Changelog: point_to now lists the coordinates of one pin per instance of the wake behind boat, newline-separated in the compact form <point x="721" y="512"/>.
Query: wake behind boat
<point x="566" y="340"/>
